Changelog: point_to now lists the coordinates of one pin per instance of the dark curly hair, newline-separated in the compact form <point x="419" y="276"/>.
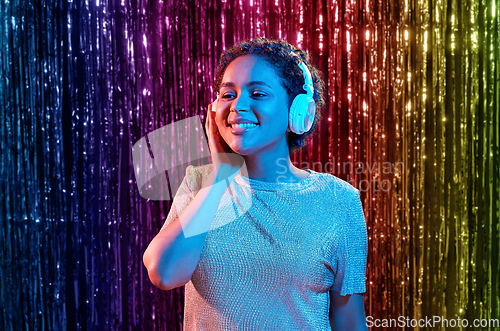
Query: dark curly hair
<point x="286" y="65"/>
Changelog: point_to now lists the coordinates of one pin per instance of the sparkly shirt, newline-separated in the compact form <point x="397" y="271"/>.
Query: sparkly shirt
<point x="274" y="252"/>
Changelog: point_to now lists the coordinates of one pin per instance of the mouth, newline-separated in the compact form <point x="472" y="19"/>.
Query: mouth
<point x="242" y="128"/>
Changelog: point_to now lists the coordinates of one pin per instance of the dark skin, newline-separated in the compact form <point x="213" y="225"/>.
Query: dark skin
<point x="347" y="312"/>
<point x="264" y="147"/>
<point x="265" y="150"/>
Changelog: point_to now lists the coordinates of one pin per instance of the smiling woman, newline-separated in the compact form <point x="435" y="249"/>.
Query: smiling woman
<point x="259" y="243"/>
<point x="242" y="100"/>
<point x="284" y="59"/>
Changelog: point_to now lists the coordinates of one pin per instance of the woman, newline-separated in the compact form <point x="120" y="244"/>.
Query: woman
<point x="259" y="243"/>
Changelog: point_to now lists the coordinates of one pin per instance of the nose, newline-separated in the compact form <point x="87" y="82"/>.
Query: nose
<point x="240" y="103"/>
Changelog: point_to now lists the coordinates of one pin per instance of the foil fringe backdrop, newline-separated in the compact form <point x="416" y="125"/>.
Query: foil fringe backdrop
<point x="413" y="104"/>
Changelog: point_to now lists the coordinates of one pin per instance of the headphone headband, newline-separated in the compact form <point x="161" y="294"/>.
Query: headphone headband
<point x="308" y="83"/>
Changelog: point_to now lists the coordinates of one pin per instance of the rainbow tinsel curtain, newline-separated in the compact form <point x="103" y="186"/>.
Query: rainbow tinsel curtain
<point x="412" y="121"/>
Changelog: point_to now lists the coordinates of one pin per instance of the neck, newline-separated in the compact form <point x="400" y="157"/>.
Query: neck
<point x="273" y="167"/>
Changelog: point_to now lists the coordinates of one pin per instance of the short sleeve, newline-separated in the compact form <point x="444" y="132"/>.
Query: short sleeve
<point x="348" y="249"/>
<point x="185" y="194"/>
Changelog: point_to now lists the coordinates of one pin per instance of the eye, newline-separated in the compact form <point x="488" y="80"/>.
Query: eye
<point x="259" y="94"/>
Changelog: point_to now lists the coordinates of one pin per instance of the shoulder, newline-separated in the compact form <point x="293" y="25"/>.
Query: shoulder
<point x="338" y="187"/>
<point x="344" y="202"/>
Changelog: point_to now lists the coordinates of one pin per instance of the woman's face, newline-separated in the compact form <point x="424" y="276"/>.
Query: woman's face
<point x="251" y="93"/>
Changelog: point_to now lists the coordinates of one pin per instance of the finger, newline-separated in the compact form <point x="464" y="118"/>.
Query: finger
<point x="207" y="124"/>
<point x="211" y="132"/>
<point x="216" y="127"/>
<point x="213" y="123"/>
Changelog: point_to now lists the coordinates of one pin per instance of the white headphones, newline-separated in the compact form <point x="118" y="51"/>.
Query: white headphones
<point x="303" y="108"/>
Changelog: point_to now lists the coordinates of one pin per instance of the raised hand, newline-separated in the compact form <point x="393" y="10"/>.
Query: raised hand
<point x="226" y="164"/>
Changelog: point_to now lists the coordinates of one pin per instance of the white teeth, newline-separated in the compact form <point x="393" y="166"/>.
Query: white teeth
<point x="243" y="125"/>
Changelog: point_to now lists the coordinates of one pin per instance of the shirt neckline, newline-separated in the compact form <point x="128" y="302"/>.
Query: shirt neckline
<point x="272" y="186"/>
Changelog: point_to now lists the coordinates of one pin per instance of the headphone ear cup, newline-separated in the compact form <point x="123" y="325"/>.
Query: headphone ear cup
<point x="302" y="114"/>
<point x="303" y="108"/>
<point x="292" y="118"/>
<point x="309" y="113"/>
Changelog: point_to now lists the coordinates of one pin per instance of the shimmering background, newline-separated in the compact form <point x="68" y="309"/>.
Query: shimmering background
<point x="413" y="95"/>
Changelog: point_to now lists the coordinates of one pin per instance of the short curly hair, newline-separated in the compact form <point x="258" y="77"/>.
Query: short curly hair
<point x="278" y="54"/>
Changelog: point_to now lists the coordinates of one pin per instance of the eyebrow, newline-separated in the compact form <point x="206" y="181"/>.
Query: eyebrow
<point x="252" y="83"/>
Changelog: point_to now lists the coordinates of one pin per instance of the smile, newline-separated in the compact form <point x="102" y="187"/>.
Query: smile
<point x="242" y="128"/>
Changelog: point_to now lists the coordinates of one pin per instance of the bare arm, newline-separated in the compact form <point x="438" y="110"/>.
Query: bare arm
<point x="171" y="257"/>
<point x="347" y="312"/>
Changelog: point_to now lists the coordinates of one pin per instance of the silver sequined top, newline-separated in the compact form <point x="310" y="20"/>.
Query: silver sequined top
<point x="273" y="253"/>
